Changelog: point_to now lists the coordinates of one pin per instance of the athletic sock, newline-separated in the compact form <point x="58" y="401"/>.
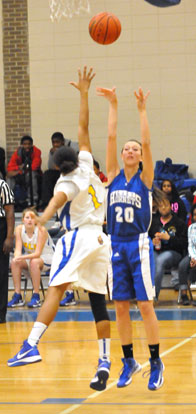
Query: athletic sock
<point x="128" y="350"/>
<point x="154" y="351"/>
<point x="36" y="333"/>
<point x="104" y="348"/>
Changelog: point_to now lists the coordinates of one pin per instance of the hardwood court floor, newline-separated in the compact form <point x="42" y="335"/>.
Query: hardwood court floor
<point x="60" y="383"/>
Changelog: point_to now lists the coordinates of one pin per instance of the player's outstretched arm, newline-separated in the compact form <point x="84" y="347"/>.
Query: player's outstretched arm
<point x="56" y="202"/>
<point x="147" y="174"/>
<point x="83" y="85"/>
<point x="112" y="166"/>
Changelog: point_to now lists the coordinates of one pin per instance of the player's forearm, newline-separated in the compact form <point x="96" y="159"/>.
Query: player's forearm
<point x="49" y="212"/>
<point x="144" y="128"/>
<point x="17" y="252"/>
<point x="112" y="120"/>
<point x="84" y="110"/>
<point x="83" y="132"/>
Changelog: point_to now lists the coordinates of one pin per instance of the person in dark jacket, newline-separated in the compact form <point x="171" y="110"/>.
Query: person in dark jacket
<point x="51" y="175"/>
<point x="177" y="205"/>
<point x="169" y="237"/>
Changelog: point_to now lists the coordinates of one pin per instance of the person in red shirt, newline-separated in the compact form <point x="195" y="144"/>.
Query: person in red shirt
<point x="23" y="171"/>
<point x="100" y="174"/>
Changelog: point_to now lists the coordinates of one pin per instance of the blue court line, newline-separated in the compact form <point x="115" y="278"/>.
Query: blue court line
<point x="63" y="401"/>
<point x="85" y="315"/>
<point x="77" y="401"/>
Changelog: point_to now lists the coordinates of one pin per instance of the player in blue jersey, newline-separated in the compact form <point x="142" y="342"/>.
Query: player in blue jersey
<point x="82" y="253"/>
<point x="128" y="220"/>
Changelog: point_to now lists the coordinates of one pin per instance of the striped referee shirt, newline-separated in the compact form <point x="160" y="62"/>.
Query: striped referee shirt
<point x="6" y="197"/>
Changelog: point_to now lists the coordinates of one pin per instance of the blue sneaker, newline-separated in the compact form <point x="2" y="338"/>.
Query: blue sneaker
<point x="130" y="367"/>
<point x="156" y="374"/>
<point x="35" y="301"/>
<point x="69" y="299"/>
<point x="99" y="381"/>
<point x="16" y="301"/>
<point x="27" y="355"/>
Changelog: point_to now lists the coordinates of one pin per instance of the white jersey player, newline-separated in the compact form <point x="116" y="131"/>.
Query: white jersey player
<point x="82" y="254"/>
<point x="84" y="245"/>
<point x="30" y="243"/>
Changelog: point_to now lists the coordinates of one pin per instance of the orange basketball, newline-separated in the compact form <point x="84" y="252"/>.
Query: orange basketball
<point x="105" y="28"/>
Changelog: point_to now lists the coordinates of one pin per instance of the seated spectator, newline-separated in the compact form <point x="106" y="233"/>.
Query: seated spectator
<point x="51" y="175"/>
<point x="38" y="247"/>
<point x="169" y="237"/>
<point x="2" y="164"/>
<point x="98" y="172"/>
<point x="177" y="205"/>
<point x="187" y="266"/>
<point x="192" y="201"/>
<point x="23" y="172"/>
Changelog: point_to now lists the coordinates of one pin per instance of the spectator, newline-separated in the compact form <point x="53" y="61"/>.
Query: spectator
<point x="51" y="175"/>
<point x="98" y="172"/>
<point x="177" y="205"/>
<point x="192" y="200"/>
<point x="6" y="242"/>
<point x="38" y="246"/>
<point x="187" y="266"/>
<point x="169" y="237"/>
<point x="23" y="172"/>
<point x="2" y="164"/>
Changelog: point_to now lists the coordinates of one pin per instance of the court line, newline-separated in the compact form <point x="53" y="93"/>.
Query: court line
<point x="95" y="394"/>
<point x="46" y="379"/>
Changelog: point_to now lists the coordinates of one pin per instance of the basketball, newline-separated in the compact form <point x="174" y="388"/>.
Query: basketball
<point x="105" y="28"/>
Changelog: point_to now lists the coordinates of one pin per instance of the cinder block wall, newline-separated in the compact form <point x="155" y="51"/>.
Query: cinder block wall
<point x="156" y="49"/>
<point x="16" y="72"/>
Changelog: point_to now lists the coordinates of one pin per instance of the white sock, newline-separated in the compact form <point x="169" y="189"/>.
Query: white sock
<point x="36" y="333"/>
<point x="104" y="348"/>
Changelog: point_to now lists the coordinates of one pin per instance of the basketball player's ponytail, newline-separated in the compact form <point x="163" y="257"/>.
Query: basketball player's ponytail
<point x="66" y="159"/>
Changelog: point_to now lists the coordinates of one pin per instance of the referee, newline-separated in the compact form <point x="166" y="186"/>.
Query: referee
<point x="6" y="242"/>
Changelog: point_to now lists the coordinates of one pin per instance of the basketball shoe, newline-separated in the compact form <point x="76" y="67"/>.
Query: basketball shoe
<point x="130" y="367"/>
<point x="99" y="381"/>
<point x="69" y="299"/>
<point x="16" y="301"/>
<point x="27" y="355"/>
<point x="35" y="301"/>
<point x="156" y="374"/>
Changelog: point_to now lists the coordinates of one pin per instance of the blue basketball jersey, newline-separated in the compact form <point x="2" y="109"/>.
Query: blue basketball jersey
<point x="129" y="207"/>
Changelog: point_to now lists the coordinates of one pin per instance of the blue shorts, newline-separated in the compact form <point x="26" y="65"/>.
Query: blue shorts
<point x="131" y="275"/>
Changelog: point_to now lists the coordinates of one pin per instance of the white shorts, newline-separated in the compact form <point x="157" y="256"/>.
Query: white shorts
<point x="82" y="256"/>
<point x="47" y="259"/>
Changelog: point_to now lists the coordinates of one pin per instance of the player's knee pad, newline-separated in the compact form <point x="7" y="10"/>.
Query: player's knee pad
<point x="98" y="306"/>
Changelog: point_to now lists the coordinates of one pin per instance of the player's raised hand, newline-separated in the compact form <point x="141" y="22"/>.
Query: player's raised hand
<point x="109" y="94"/>
<point x="141" y="99"/>
<point x="84" y="79"/>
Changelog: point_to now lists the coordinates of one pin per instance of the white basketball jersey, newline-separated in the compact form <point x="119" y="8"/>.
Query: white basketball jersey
<point x="30" y="243"/>
<point x="86" y="195"/>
